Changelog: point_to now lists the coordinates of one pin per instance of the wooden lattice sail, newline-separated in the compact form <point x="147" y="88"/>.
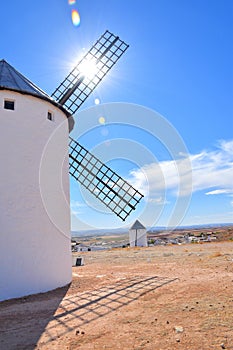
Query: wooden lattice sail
<point x="111" y="189"/>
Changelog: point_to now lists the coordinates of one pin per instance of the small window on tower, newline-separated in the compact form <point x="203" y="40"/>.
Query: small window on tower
<point x="50" y="116"/>
<point x="9" y="104"/>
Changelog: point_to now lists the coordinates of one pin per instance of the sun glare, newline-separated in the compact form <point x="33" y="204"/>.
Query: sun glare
<point x="88" y="68"/>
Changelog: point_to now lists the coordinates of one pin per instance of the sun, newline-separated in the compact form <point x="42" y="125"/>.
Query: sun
<point x="88" y="68"/>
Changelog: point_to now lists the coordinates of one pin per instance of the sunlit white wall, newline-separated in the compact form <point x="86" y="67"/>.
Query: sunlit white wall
<point x="34" y="197"/>
<point x="138" y="238"/>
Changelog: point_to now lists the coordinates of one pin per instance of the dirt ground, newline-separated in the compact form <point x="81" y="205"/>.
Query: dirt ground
<point x="157" y="298"/>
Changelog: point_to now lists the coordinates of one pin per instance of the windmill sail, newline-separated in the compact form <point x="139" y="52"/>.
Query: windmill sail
<point x="113" y="191"/>
<point x="116" y="193"/>
<point x="89" y="72"/>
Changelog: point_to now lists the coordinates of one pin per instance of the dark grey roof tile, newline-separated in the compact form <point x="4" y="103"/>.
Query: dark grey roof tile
<point x="10" y="78"/>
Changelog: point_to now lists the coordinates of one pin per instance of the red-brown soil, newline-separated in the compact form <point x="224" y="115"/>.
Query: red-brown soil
<point x="157" y="298"/>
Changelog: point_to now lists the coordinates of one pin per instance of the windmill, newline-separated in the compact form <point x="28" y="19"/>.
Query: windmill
<point x="35" y="251"/>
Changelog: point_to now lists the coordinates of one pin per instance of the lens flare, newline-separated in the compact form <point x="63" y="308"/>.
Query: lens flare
<point x="97" y="101"/>
<point x="71" y="2"/>
<point x="101" y="120"/>
<point x="75" y="18"/>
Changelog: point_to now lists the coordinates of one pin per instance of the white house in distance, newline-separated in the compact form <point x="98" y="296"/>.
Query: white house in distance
<point x="137" y="235"/>
<point x="35" y="253"/>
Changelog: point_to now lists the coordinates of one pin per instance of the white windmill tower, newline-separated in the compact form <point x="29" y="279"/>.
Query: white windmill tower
<point x="35" y="254"/>
<point x="138" y="235"/>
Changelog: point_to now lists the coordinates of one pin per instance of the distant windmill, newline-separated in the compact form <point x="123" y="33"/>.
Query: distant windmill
<point x="35" y="226"/>
<point x="138" y="235"/>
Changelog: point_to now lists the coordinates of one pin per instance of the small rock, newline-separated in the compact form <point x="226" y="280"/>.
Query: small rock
<point x="177" y="340"/>
<point x="77" y="332"/>
<point x="167" y="322"/>
<point x="223" y="346"/>
<point x="178" y="329"/>
<point x="82" y="332"/>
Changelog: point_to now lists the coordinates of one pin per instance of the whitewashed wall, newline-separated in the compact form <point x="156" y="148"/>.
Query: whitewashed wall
<point x="35" y="254"/>
<point x="141" y="238"/>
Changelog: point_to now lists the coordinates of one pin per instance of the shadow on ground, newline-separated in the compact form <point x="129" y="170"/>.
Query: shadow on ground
<point x="22" y="322"/>
<point x="43" y="318"/>
<point x="82" y="308"/>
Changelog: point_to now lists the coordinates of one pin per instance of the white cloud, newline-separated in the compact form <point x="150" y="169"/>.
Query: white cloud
<point x="216" y="192"/>
<point x="77" y="204"/>
<point x="76" y="207"/>
<point x="207" y="170"/>
<point x="227" y="146"/>
<point x="214" y="169"/>
<point x="158" y="200"/>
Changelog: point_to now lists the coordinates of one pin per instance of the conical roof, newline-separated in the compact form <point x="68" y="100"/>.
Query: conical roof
<point x="137" y="226"/>
<point x="11" y="79"/>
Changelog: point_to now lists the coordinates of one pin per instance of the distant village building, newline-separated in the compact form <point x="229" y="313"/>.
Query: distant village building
<point x="138" y="235"/>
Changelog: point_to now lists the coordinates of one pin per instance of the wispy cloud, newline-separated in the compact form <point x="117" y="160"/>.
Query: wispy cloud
<point x="215" y="192"/>
<point x="158" y="200"/>
<point x="76" y="207"/>
<point x="211" y="171"/>
<point x="214" y="169"/>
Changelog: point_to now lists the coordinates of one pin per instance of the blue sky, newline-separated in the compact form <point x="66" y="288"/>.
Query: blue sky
<point x="179" y="65"/>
